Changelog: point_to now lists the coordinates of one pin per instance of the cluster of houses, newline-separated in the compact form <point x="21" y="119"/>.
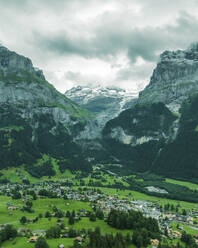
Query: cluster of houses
<point x="105" y="202"/>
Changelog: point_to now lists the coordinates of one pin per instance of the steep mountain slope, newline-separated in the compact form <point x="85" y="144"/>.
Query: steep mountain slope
<point x="104" y="102"/>
<point x="180" y="157"/>
<point x="137" y="134"/>
<point x="174" y="79"/>
<point x="159" y="133"/>
<point x="35" y="117"/>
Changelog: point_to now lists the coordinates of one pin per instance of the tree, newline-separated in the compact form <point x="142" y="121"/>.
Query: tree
<point x="47" y="214"/>
<point x="184" y="212"/>
<point x="8" y="232"/>
<point x="23" y="220"/>
<point x="53" y="232"/>
<point x="73" y="213"/>
<point x="16" y="195"/>
<point x="99" y="214"/>
<point x="34" y="196"/>
<point x="71" y="220"/>
<point x="128" y="238"/>
<point x="29" y="204"/>
<point x="26" y="181"/>
<point x="40" y="216"/>
<point x="72" y="233"/>
<point x="92" y="217"/>
<point x="187" y="238"/>
<point x="68" y="214"/>
<point x="137" y="239"/>
<point x="172" y="207"/>
<point x="41" y="243"/>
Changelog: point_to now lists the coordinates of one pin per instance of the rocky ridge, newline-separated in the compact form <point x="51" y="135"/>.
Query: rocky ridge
<point x="174" y="79"/>
<point x="30" y="106"/>
<point x="159" y="133"/>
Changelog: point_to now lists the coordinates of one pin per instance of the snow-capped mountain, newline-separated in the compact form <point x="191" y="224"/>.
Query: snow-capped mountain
<point x="104" y="102"/>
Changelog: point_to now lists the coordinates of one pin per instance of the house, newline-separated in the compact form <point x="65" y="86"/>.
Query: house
<point x="79" y="239"/>
<point x="176" y="234"/>
<point x="155" y="242"/>
<point x="11" y="208"/>
<point x="33" y="239"/>
<point x="39" y="233"/>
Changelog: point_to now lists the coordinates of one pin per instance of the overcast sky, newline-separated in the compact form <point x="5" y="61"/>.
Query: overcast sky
<point x="108" y="42"/>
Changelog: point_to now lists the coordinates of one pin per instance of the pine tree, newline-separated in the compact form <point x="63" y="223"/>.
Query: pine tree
<point x="71" y="220"/>
<point x="23" y="220"/>
<point x="41" y="243"/>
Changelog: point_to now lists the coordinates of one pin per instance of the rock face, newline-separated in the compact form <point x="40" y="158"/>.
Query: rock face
<point x="179" y="157"/>
<point x="13" y="63"/>
<point x="174" y="79"/>
<point x="35" y="117"/>
<point x="104" y="102"/>
<point x="137" y="134"/>
<point x="159" y="133"/>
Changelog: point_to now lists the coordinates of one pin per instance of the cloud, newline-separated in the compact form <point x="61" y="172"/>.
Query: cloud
<point x="79" y="78"/>
<point x="107" y="43"/>
<point x="86" y="40"/>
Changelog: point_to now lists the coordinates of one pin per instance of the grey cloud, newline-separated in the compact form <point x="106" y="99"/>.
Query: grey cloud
<point x="109" y="41"/>
<point x="48" y="30"/>
<point x="135" y="72"/>
<point x="80" y="78"/>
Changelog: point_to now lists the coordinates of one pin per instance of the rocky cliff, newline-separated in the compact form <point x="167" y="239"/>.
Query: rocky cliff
<point x="137" y="134"/>
<point x="159" y="133"/>
<point x="35" y="117"/>
<point x="174" y="79"/>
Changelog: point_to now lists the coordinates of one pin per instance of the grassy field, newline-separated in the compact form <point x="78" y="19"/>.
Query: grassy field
<point x="183" y="183"/>
<point x="16" y="175"/>
<point x="105" y="228"/>
<point x="20" y="242"/>
<point x="41" y="206"/>
<point x="186" y="228"/>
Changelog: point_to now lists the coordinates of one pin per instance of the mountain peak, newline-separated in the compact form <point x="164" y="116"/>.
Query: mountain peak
<point x="104" y="102"/>
<point x="91" y="92"/>
<point x="12" y="63"/>
<point x="174" y="78"/>
<point x="190" y="54"/>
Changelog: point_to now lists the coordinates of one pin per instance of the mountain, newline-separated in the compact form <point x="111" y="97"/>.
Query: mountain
<point x="156" y="132"/>
<point x="159" y="133"/>
<point x="174" y="79"/>
<point x="35" y="118"/>
<point x="104" y="102"/>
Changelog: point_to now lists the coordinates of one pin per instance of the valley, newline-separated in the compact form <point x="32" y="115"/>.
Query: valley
<point x="99" y="167"/>
<point x="51" y="198"/>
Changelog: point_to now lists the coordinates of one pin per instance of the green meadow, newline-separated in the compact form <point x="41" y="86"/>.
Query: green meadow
<point x="20" y="242"/>
<point x="183" y="183"/>
<point x="41" y="206"/>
